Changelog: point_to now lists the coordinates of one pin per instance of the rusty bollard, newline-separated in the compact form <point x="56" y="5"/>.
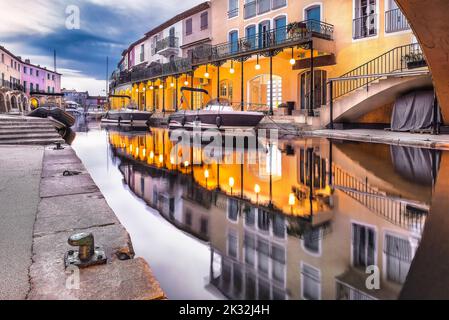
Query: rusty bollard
<point x="87" y="254"/>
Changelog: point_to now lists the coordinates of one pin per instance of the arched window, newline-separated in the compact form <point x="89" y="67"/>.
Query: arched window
<point x="259" y="90"/>
<point x="234" y="41"/>
<point x="226" y="89"/>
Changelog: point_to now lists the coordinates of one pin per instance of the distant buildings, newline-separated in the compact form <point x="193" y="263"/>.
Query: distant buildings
<point x="19" y="79"/>
<point x="84" y="99"/>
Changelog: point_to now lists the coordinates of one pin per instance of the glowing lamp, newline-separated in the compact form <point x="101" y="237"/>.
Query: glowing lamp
<point x="257" y="189"/>
<point x="231" y="182"/>
<point x="206" y="174"/>
<point x="291" y="199"/>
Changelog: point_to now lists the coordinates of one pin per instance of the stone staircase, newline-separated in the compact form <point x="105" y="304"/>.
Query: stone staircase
<point x="27" y="131"/>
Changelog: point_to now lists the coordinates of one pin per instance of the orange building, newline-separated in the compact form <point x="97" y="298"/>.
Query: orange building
<point x="300" y="58"/>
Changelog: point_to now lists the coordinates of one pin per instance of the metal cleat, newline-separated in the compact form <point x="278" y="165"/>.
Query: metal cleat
<point x="87" y="254"/>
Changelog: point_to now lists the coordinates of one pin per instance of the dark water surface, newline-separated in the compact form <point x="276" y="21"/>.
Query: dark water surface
<point x="281" y="227"/>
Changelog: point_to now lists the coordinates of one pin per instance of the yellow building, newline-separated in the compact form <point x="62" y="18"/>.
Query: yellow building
<point x="266" y="54"/>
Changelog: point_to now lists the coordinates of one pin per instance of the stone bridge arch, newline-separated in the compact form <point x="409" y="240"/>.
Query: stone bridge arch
<point x="430" y="23"/>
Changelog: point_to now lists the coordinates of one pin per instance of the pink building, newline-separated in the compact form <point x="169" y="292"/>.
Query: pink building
<point x="39" y="79"/>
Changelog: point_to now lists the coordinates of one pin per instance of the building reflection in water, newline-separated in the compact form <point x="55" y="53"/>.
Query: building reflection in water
<point x="304" y="223"/>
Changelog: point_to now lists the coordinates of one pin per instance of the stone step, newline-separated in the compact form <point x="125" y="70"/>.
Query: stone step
<point x="29" y="136"/>
<point x="43" y="142"/>
<point x="19" y="131"/>
<point x="26" y="127"/>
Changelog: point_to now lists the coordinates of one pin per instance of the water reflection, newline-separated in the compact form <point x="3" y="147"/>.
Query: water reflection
<point x="303" y="223"/>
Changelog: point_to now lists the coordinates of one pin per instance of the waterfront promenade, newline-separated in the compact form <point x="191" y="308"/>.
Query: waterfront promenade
<point x="41" y="209"/>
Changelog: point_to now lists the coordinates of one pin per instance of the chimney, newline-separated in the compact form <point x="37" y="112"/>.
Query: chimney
<point x="27" y="61"/>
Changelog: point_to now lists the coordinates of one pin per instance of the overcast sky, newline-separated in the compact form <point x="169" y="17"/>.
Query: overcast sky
<point x="33" y="28"/>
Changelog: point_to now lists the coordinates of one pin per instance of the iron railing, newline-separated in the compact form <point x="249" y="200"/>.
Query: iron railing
<point x="395" y="21"/>
<point x="403" y="213"/>
<point x="11" y="85"/>
<point x="250" y="9"/>
<point x="272" y="39"/>
<point x="365" y="26"/>
<point x="170" y="42"/>
<point x="177" y="66"/>
<point x="396" y="60"/>
<point x="278" y="4"/>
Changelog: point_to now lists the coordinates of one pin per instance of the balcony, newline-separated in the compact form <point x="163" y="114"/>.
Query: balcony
<point x="250" y="9"/>
<point x="263" y="6"/>
<point x="278" y="4"/>
<point x="177" y="66"/>
<point x="293" y="34"/>
<point x="12" y="86"/>
<point x="395" y="21"/>
<point x="365" y="27"/>
<point x="167" y="47"/>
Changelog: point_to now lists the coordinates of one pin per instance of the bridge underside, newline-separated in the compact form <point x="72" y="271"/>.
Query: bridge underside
<point x="430" y="23"/>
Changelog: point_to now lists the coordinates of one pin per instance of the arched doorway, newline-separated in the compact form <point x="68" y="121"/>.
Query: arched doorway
<point x="320" y="89"/>
<point x="3" y="107"/>
<point x="14" y="104"/>
<point x="259" y="91"/>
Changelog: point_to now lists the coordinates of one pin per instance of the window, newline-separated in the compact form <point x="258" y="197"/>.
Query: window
<point x="31" y="71"/>
<point x="12" y="63"/>
<point x="234" y="40"/>
<point x="278" y="260"/>
<point x="232" y="245"/>
<point x="18" y="67"/>
<point x="189" y="26"/>
<point x="398" y="254"/>
<point x="53" y="89"/>
<point x="251" y="36"/>
<point x="204" y="20"/>
<point x="226" y="89"/>
<point x="260" y="90"/>
<point x="263" y="256"/>
<point x="250" y="250"/>
<point x="53" y="77"/>
<point x="31" y="87"/>
<point x="233" y="210"/>
<point x="3" y="58"/>
<point x="312" y="241"/>
<point x="48" y="89"/>
<point x="363" y="246"/>
<point x="25" y="85"/>
<point x="48" y="76"/>
<point x="365" y="22"/>
<point x="203" y="226"/>
<point x="142" y="52"/>
<point x="188" y="218"/>
<point x="394" y="18"/>
<point x="37" y="87"/>
<point x="310" y="282"/>
<point x="279" y="226"/>
<point x="233" y="8"/>
<point x="263" y="220"/>
<point x="250" y="216"/>
<point x="37" y="73"/>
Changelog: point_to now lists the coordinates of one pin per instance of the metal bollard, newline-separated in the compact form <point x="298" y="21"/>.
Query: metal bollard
<point x="87" y="254"/>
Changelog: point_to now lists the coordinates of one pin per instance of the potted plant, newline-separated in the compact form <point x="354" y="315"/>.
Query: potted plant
<point x="295" y="29"/>
<point x="415" y="60"/>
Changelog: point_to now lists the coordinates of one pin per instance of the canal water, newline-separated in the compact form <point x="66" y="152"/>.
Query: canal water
<point x="306" y="219"/>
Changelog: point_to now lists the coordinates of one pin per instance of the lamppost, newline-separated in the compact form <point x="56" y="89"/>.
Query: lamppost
<point x="231" y="183"/>
<point x="257" y="191"/>
<point x="206" y="175"/>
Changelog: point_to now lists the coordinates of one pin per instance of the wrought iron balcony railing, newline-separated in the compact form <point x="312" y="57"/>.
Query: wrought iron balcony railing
<point x="365" y="27"/>
<point x="250" y="9"/>
<point x="11" y="85"/>
<point x="177" y="66"/>
<point x="275" y="38"/>
<point x="166" y="43"/>
<point x="395" y="21"/>
<point x="291" y="35"/>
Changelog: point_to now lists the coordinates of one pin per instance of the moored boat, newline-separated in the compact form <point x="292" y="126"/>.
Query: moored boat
<point x="127" y="116"/>
<point x="61" y="118"/>
<point x="217" y="114"/>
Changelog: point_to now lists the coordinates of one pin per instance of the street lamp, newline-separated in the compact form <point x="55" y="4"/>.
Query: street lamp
<point x="257" y="191"/>
<point x="257" y="64"/>
<point x="231" y="183"/>
<point x="206" y="175"/>
<point x="292" y="60"/>
<point x="291" y="201"/>
<point x="232" y="70"/>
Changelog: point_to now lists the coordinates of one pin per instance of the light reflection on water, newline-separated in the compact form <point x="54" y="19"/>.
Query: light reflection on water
<point x="302" y="234"/>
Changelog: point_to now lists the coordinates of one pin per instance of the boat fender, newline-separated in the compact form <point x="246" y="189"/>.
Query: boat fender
<point x="132" y="118"/>
<point x="218" y="121"/>
<point x="119" y="120"/>
<point x="183" y="121"/>
<point x="197" y="119"/>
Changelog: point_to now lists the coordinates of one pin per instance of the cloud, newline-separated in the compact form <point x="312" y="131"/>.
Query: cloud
<point x="34" y="28"/>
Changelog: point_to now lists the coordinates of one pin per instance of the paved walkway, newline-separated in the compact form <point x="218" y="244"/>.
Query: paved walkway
<point x="20" y="173"/>
<point x="388" y="137"/>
